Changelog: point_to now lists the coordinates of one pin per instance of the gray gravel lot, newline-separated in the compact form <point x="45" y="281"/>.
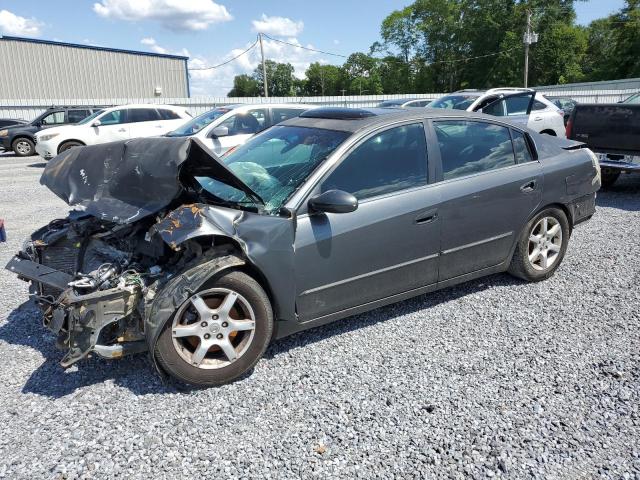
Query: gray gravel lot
<point x="495" y="378"/>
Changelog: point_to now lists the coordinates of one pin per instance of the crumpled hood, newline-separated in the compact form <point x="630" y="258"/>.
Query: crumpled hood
<point x="125" y="181"/>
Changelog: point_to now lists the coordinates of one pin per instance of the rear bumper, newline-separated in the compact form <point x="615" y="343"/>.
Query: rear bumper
<point x="624" y="164"/>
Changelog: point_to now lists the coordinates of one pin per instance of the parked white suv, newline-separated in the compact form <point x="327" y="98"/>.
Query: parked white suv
<point x="227" y="127"/>
<point x="111" y="124"/>
<point x="521" y="105"/>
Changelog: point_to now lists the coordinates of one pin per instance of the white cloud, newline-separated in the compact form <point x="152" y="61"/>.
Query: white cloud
<point x="154" y="47"/>
<point x="219" y="81"/>
<point x="173" y="14"/>
<point x="281" y="26"/>
<point x="12" y="24"/>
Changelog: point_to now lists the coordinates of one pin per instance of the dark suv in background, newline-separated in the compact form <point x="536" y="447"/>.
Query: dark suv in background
<point x="20" y="138"/>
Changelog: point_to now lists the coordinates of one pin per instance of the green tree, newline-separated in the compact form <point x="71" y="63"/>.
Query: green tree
<point x="324" y="80"/>
<point x="280" y="78"/>
<point x="362" y="74"/>
<point x="244" y="86"/>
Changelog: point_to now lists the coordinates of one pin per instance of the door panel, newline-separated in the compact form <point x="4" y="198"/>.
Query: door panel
<point x="486" y="197"/>
<point x="483" y="215"/>
<point x="387" y="246"/>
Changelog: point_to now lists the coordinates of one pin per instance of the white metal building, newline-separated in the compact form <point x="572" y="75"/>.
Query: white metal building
<point x="43" y="69"/>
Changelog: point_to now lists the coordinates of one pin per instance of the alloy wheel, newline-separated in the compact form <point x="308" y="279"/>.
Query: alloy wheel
<point x="23" y="147"/>
<point x="545" y="243"/>
<point x="213" y="328"/>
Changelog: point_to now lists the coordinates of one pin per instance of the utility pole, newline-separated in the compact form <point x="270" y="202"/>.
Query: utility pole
<point x="529" y="38"/>
<point x="264" y="68"/>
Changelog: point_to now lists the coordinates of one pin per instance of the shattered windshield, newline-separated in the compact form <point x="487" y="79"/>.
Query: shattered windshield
<point x="274" y="164"/>
<point x="456" y="102"/>
<point x="195" y="125"/>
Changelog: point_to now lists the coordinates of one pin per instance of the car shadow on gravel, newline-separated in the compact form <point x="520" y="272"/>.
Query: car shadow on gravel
<point x="38" y="165"/>
<point x="383" y="314"/>
<point x="24" y="327"/>
<point x="623" y="195"/>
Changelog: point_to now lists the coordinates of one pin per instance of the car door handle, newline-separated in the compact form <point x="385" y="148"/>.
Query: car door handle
<point x="528" y="187"/>
<point x="426" y="217"/>
<point x="122" y="129"/>
<point x="158" y="126"/>
<point x="537" y="119"/>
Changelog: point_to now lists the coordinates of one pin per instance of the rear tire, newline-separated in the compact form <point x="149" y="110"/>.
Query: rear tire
<point x="23" y="147"/>
<point x="69" y="145"/>
<point x="541" y="246"/>
<point x="609" y="177"/>
<point x="200" y="346"/>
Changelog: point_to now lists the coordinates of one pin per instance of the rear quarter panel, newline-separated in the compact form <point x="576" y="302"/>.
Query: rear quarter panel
<point x="569" y="175"/>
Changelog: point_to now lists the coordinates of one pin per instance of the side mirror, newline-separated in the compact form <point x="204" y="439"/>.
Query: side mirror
<point x="96" y="123"/>
<point x="333" y="201"/>
<point x="219" y="132"/>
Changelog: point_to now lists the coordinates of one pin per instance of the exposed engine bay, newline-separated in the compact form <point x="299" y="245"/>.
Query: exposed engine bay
<point x="141" y="241"/>
<point x="112" y="271"/>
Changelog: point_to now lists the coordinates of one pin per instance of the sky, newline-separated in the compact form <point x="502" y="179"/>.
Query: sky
<point x="210" y="32"/>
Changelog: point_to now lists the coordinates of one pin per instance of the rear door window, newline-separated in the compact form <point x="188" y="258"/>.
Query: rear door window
<point x="74" y="116"/>
<point x="390" y="161"/>
<point x="521" y="148"/>
<point x="136" y="115"/>
<point x="468" y="147"/>
<point x="282" y="114"/>
<point x="167" y="114"/>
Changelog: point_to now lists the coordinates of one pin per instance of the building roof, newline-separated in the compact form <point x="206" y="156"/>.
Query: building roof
<point x="91" y="47"/>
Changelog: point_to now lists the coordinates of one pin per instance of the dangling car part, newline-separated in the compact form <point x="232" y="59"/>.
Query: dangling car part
<point x="203" y="261"/>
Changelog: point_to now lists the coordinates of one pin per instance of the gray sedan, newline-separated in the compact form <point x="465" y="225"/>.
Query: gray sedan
<point x="203" y="261"/>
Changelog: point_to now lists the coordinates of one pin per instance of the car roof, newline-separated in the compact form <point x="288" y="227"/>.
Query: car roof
<point x="352" y="120"/>
<point x="268" y="105"/>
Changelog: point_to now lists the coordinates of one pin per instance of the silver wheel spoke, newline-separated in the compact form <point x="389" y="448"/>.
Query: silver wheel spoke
<point x="553" y="231"/>
<point x="228" y="303"/>
<point x="192" y="330"/>
<point x="228" y="349"/>
<point x="203" y="309"/>
<point x="533" y="256"/>
<point x="554" y="248"/>
<point x="544" y="259"/>
<point x="545" y="226"/>
<point x="241" y="325"/>
<point x="534" y="239"/>
<point x="200" y="352"/>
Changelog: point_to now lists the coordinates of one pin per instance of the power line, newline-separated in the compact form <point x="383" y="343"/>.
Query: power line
<point x="473" y="58"/>
<point x="305" y="48"/>
<point x="228" y="61"/>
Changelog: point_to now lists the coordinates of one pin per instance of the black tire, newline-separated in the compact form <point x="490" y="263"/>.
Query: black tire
<point x="69" y="145"/>
<point x="609" y="177"/>
<point x="23" y="147"/>
<point x="521" y="266"/>
<point x="184" y="372"/>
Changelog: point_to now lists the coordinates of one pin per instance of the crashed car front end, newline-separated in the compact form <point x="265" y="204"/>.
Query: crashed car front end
<point x="110" y="275"/>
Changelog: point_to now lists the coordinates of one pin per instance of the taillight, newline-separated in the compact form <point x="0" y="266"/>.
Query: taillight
<point x="569" y="127"/>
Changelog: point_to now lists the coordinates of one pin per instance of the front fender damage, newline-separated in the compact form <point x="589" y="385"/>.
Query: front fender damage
<point x="163" y="300"/>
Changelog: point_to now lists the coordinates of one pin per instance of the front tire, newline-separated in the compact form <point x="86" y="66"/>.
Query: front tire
<point x="23" y="147"/>
<point x="69" y="145"/>
<point x="218" y="334"/>
<point x="541" y="246"/>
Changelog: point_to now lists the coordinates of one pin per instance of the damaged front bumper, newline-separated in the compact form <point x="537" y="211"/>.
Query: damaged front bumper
<point x="81" y="321"/>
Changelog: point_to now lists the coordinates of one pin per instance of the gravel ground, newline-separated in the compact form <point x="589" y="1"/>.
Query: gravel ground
<point x="495" y="378"/>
